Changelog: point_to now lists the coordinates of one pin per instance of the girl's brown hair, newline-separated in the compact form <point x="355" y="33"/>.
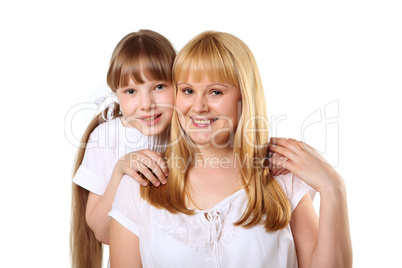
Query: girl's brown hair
<point x="225" y="58"/>
<point x="140" y="53"/>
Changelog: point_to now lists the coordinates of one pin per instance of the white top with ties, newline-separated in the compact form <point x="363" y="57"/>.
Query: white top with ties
<point x="206" y="238"/>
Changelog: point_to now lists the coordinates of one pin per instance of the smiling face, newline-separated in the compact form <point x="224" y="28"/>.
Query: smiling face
<point x="147" y="107"/>
<point x="210" y="110"/>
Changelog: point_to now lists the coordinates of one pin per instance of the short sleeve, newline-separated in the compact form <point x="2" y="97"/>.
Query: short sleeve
<point x="95" y="170"/>
<point x="294" y="188"/>
<point x="127" y="204"/>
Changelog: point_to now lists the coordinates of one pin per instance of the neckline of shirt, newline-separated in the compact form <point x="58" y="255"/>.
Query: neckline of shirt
<point x="224" y="202"/>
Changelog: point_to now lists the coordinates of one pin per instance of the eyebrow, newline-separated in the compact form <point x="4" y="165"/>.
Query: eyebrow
<point x="182" y="83"/>
<point x="217" y="84"/>
<point x="209" y="85"/>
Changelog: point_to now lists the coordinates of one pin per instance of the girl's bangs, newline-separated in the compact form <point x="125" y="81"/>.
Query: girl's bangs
<point x="206" y="58"/>
<point x="144" y="67"/>
<point x="140" y="60"/>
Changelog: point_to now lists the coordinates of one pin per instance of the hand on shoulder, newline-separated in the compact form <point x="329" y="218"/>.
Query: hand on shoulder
<point x="307" y="164"/>
<point x="145" y="162"/>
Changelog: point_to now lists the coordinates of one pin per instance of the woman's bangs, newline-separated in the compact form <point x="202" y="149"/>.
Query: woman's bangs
<point x="206" y="59"/>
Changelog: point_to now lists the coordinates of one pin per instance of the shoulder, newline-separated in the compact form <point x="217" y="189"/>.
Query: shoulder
<point x="128" y="193"/>
<point x="294" y="188"/>
<point x="127" y="204"/>
<point x="100" y="153"/>
<point x="105" y="131"/>
<point x="129" y="184"/>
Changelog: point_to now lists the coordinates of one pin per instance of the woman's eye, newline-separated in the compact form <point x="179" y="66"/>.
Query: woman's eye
<point x="130" y="91"/>
<point x="160" y="87"/>
<point x="187" y="91"/>
<point x="216" y="92"/>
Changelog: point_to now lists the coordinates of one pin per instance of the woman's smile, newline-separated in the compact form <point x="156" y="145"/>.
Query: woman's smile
<point x="203" y="122"/>
<point x="210" y="109"/>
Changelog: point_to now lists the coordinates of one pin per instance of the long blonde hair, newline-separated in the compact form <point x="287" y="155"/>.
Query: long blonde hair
<point x="140" y="53"/>
<point x="225" y="58"/>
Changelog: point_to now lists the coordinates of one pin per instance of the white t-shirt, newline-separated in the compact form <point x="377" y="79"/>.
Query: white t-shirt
<point x="107" y="143"/>
<point x="207" y="238"/>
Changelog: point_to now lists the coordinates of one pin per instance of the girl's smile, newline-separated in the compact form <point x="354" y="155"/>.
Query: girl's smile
<point x="151" y="119"/>
<point x="147" y="107"/>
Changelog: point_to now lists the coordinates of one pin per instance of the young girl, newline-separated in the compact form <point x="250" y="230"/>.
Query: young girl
<point x="140" y="78"/>
<point x="221" y="207"/>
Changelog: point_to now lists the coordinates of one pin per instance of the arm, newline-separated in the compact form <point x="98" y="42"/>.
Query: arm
<point x="329" y="243"/>
<point x="98" y="206"/>
<point x="304" y="225"/>
<point x="124" y="247"/>
<point x="333" y="233"/>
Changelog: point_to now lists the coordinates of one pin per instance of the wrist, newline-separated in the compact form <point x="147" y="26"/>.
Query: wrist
<point x="117" y="174"/>
<point x="336" y="187"/>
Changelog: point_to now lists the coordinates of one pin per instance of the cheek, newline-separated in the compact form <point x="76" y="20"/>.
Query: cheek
<point x="127" y="106"/>
<point x="165" y="98"/>
<point x="182" y="105"/>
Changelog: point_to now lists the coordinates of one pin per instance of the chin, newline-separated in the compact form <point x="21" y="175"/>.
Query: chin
<point x="201" y="139"/>
<point x="152" y="132"/>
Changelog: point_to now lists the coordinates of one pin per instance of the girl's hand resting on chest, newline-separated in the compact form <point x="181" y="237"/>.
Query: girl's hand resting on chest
<point x="306" y="163"/>
<point x="147" y="163"/>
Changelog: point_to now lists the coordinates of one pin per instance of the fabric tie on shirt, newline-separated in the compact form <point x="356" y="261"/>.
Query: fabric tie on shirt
<point x="214" y="230"/>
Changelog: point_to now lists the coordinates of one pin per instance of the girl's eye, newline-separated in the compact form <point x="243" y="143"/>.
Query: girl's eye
<point x="187" y="91"/>
<point x="130" y="91"/>
<point x="216" y="92"/>
<point x="160" y="87"/>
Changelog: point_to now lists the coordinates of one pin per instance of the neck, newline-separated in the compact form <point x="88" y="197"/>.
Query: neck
<point x="213" y="158"/>
<point x="213" y="177"/>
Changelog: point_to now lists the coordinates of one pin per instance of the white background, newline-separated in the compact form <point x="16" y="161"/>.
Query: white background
<point x="345" y="55"/>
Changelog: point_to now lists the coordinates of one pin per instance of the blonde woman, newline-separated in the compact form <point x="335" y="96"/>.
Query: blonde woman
<point x="221" y="207"/>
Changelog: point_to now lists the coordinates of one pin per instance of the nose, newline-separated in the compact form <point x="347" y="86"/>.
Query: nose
<point x="200" y="104"/>
<point x="146" y="101"/>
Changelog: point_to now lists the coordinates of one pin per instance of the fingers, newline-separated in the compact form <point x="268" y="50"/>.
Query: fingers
<point x="309" y="150"/>
<point x="280" y="165"/>
<point x="148" y="173"/>
<point x="277" y="164"/>
<point x="157" y="157"/>
<point x="157" y="172"/>
<point x="274" y="169"/>
<point x="134" y="174"/>
<point x="287" y="152"/>
<point x="291" y="144"/>
<point x="279" y="171"/>
<point x="151" y="165"/>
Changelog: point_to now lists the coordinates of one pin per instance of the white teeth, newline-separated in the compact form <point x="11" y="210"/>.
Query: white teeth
<point x="149" y="118"/>
<point x="203" y="121"/>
